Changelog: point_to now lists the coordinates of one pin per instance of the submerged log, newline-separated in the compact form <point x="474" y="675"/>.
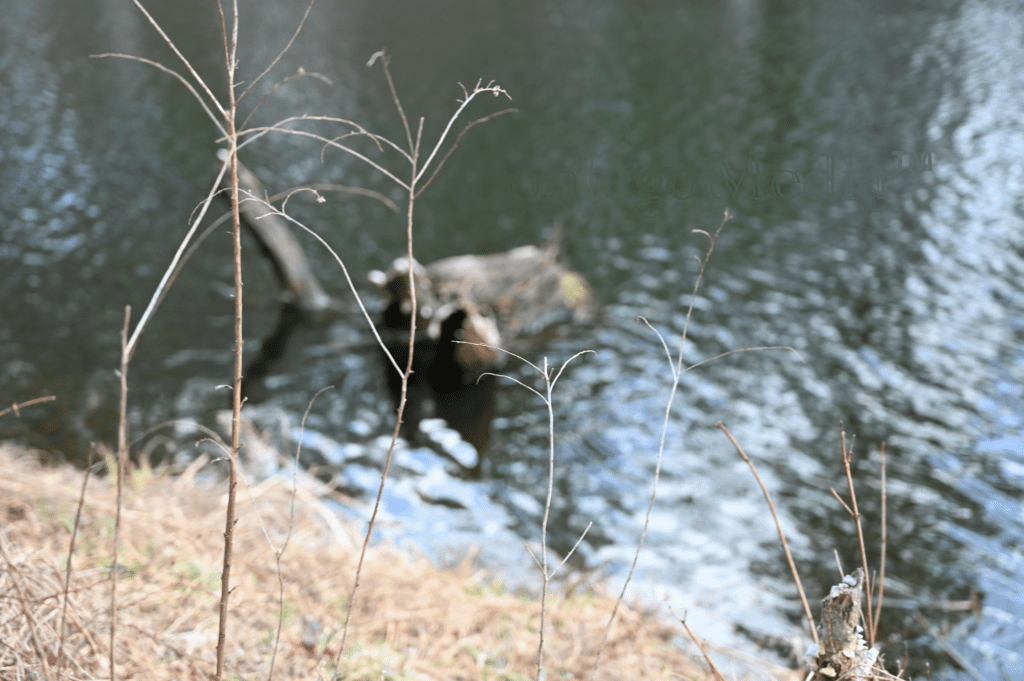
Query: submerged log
<point x="509" y="299"/>
<point x="503" y="301"/>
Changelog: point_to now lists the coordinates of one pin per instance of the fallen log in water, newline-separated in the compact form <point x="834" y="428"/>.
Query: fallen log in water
<point x="505" y="301"/>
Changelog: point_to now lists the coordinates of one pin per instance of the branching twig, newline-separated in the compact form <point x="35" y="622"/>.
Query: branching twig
<point x="676" y="365"/>
<point x="542" y="562"/>
<point x="412" y="154"/>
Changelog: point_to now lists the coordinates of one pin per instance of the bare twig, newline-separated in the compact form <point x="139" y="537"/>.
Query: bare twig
<point x="172" y="72"/>
<point x="455" y="145"/>
<point x="298" y="75"/>
<point x="171" y="272"/>
<point x="122" y="461"/>
<point x="71" y="553"/>
<point x="298" y="29"/>
<point x="279" y="552"/>
<point x="868" y="611"/>
<point x="17" y="407"/>
<point x="344" y="269"/>
<point x="884" y="547"/>
<point x="412" y="154"/>
<point x="236" y="393"/>
<point x="733" y="352"/>
<point x="192" y="71"/>
<point x="700" y="644"/>
<point x="676" y="365"/>
<point x="542" y="562"/>
<point x="490" y="87"/>
<point x="778" y="525"/>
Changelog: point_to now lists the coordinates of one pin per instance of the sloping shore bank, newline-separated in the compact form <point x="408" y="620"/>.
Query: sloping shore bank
<point x="412" y="620"/>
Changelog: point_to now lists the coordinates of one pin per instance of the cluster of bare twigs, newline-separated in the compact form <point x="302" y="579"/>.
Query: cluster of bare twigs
<point x="845" y="655"/>
<point x="224" y="115"/>
<point x="423" y="167"/>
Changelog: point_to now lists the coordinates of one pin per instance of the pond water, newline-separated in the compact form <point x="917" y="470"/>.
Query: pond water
<point x="871" y="157"/>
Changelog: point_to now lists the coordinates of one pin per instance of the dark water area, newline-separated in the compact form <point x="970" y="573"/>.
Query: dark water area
<point x="870" y="153"/>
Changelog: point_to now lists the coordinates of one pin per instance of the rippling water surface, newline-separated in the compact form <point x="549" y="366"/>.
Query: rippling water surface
<point x="871" y="157"/>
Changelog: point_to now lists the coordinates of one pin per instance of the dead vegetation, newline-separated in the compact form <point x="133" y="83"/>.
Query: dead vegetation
<point x="413" y="621"/>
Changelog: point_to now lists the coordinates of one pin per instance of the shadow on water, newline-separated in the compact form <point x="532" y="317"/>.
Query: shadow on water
<point x="873" y="163"/>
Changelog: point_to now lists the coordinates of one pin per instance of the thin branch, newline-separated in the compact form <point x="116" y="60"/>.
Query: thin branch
<point x="16" y="407"/>
<point x="847" y="457"/>
<point x="278" y="57"/>
<point x="733" y="352"/>
<point x="174" y="47"/>
<point x="157" y="296"/>
<point x="565" y="364"/>
<point x="300" y="74"/>
<point x="840" y="500"/>
<point x="677" y="372"/>
<point x="71" y="553"/>
<point x="359" y="191"/>
<point x="198" y="97"/>
<point x="456" y="144"/>
<point x="122" y="462"/>
<point x="403" y="398"/>
<point x="236" y="392"/>
<point x="224" y="35"/>
<point x="884" y="547"/>
<point x="778" y="525"/>
<point x="573" y="549"/>
<point x="278" y="553"/>
<point x="328" y="142"/>
<point x="510" y="354"/>
<point x="664" y="344"/>
<point x="514" y="380"/>
<point x="465" y="102"/>
<point x="385" y="60"/>
<point x="544" y="523"/>
<point x="700" y="645"/>
<point x="344" y="269"/>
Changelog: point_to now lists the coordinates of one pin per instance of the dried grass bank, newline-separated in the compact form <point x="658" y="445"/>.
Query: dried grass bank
<point x="413" y="621"/>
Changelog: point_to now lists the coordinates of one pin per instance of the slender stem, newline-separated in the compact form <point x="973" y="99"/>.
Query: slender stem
<point x="122" y="460"/>
<point x="881" y="570"/>
<point x="236" y="393"/>
<point x="71" y="553"/>
<point x="778" y="526"/>
<point x="174" y="47"/>
<point x="869" y="613"/>
<point x="403" y="398"/>
<point x="677" y="372"/>
<point x="547" y="513"/>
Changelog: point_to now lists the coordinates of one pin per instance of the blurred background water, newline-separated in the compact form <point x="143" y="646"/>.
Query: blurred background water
<point x="871" y="155"/>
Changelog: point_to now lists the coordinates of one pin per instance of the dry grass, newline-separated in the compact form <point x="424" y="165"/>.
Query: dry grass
<point x="414" y="621"/>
